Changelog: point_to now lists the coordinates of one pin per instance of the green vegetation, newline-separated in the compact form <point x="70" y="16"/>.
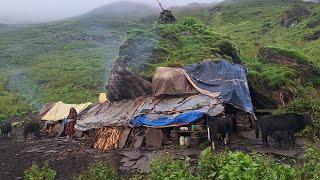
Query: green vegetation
<point x="36" y="173"/>
<point x="237" y="165"/>
<point x="68" y="61"/>
<point x="165" y="168"/>
<point x="254" y="24"/>
<point x="190" y="41"/>
<point x="10" y="105"/>
<point x="308" y="101"/>
<point x="299" y="57"/>
<point x="311" y="169"/>
<point x="185" y="42"/>
<point x="268" y="76"/>
<point x="225" y="165"/>
<point x="99" y="171"/>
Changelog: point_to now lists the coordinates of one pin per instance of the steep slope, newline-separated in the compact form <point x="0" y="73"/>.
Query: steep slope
<point x="288" y="28"/>
<point x="257" y="25"/>
<point x="185" y="42"/>
<point x="67" y="60"/>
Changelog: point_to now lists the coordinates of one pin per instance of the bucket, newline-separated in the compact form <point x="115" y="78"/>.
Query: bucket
<point x="102" y="98"/>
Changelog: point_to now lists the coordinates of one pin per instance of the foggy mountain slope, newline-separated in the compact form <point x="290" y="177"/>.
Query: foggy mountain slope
<point x="3" y="25"/>
<point x="66" y="60"/>
<point x="70" y="60"/>
<point x="122" y="9"/>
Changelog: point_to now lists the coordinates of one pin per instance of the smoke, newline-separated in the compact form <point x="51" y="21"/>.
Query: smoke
<point x="27" y="89"/>
<point x="35" y="11"/>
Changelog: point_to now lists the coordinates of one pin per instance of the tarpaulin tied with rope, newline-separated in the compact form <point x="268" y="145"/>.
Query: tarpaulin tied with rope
<point x="229" y="80"/>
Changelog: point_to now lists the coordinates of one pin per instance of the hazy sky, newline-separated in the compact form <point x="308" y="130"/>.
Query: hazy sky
<point x="15" y="11"/>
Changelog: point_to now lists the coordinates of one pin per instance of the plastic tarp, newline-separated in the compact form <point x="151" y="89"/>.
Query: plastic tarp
<point x="60" y="110"/>
<point x="176" y="111"/>
<point x="108" y="114"/>
<point x="171" y="81"/>
<point x="229" y="80"/>
<point x="185" y="118"/>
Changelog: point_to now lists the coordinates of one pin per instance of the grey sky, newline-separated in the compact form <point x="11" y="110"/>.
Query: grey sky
<point x="17" y="11"/>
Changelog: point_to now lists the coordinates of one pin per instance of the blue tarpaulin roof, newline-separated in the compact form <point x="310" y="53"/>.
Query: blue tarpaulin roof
<point x="185" y="118"/>
<point x="170" y="111"/>
<point x="230" y="80"/>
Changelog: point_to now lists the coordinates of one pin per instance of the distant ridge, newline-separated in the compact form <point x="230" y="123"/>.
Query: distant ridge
<point x="3" y="25"/>
<point x="122" y="9"/>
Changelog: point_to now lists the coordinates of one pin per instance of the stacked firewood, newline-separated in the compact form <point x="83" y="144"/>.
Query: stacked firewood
<point x="107" y="138"/>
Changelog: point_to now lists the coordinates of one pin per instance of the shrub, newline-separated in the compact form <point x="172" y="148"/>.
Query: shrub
<point x="36" y="173"/>
<point x="268" y="169"/>
<point x="308" y="101"/>
<point x="237" y="165"/>
<point x="207" y="165"/>
<point x="274" y="77"/>
<point x="311" y="169"/>
<point x="166" y="168"/>
<point x="194" y="23"/>
<point x="99" y="171"/>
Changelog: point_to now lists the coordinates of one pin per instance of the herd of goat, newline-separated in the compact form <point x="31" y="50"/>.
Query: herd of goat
<point x="280" y="127"/>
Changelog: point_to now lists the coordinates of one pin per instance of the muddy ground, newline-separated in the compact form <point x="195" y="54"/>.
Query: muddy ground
<point x="70" y="159"/>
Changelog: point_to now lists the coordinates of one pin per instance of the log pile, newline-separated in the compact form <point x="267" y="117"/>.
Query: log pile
<point x="107" y="138"/>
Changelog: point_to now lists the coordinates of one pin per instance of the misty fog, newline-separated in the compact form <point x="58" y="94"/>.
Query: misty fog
<point x="33" y="11"/>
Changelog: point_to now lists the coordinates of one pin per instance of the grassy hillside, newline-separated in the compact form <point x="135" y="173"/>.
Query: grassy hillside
<point x="187" y="41"/>
<point x="67" y="60"/>
<point x="70" y="60"/>
<point x="252" y="24"/>
<point x="255" y="25"/>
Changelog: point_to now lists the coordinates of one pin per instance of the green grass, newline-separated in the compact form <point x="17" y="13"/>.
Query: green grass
<point x="53" y="62"/>
<point x="187" y="41"/>
<point x="70" y="60"/>
<point x="255" y="24"/>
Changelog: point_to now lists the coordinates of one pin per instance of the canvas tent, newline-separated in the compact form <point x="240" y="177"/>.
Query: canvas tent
<point x="59" y="110"/>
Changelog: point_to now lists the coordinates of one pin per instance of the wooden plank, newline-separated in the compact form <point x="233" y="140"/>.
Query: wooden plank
<point x="124" y="138"/>
<point x="154" y="137"/>
<point x="138" y="141"/>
